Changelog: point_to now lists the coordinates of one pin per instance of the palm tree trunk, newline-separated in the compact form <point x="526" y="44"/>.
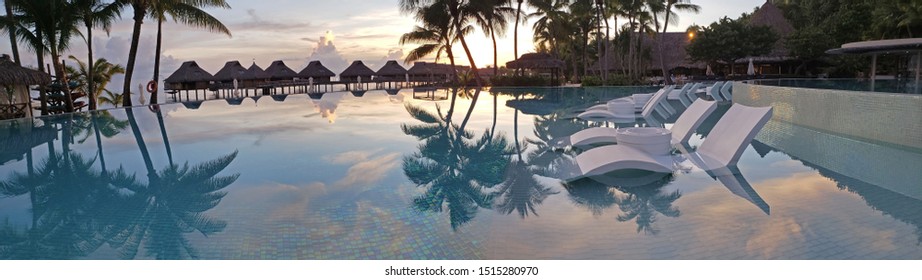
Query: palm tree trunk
<point x="62" y="76"/>
<point x="662" y="60"/>
<point x="139" y="13"/>
<point x="91" y="79"/>
<point x="495" y="53"/>
<point x="166" y="139"/>
<point x="13" y="44"/>
<point x="139" y="139"/>
<point x="454" y="95"/>
<point x="607" y="42"/>
<point x="102" y="157"/>
<point x="153" y="95"/>
<point x="515" y="38"/>
<point x="40" y="57"/>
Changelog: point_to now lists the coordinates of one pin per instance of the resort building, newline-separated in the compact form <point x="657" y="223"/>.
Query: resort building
<point x="316" y="70"/>
<point x="189" y="76"/>
<point x="278" y="71"/>
<point x="357" y="72"/>
<point x="232" y="71"/>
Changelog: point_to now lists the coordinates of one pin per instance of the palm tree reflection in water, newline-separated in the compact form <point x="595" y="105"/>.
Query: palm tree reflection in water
<point x="77" y="208"/>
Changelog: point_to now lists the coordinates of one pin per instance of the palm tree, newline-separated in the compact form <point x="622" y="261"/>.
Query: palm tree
<point x="456" y="11"/>
<point x="188" y="12"/>
<point x="492" y="17"/>
<point x="103" y="72"/>
<point x="95" y="14"/>
<point x="9" y="27"/>
<point x="140" y="9"/>
<point x="670" y="18"/>
<point x="642" y="203"/>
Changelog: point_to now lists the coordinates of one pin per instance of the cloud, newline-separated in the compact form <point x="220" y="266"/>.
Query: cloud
<point x="367" y="169"/>
<point x="257" y="23"/>
<point x="326" y="53"/>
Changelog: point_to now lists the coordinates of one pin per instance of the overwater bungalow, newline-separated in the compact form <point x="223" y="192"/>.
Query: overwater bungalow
<point x="189" y="77"/>
<point x="316" y="70"/>
<point x="17" y="103"/>
<point x="391" y="72"/>
<point x="254" y="76"/>
<point x="231" y="71"/>
<point x="278" y="71"/>
<point x="357" y="71"/>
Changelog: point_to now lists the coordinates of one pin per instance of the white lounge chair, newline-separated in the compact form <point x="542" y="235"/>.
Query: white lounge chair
<point x="714" y="91"/>
<point x="677" y="94"/>
<point x="682" y="130"/>
<point x="690" y="95"/>
<point x="638" y="100"/>
<point x="734" y="181"/>
<point x="620" y="109"/>
<point x="722" y="148"/>
<point x="725" y="91"/>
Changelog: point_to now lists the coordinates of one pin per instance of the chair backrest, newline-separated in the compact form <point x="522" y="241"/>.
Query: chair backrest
<point x="732" y="134"/>
<point x="725" y="91"/>
<point x="691" y="119"/>
<point x="691" y="95"/>
<point x="655" y="101"/>
<point x="715" y="91"/>
<point x="675" y="94"/>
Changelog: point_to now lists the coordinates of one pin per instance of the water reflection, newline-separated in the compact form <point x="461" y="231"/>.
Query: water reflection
<point x="78" y="206"/>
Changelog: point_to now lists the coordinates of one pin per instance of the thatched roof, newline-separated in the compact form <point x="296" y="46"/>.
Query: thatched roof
<point x="17" y="139"/>
<point x="279" y="71"/>
<point x="675" y="55"/>
<point x="12" y="74"/>
<point x="315" y="69"/>
<point x="771" y="16"/>
<point x="254" y="73"/>
<point x="392" y="68"/>
<point x="536" y="61"/>
<point x="357" y="69"/>
<point x="232" y="70"/>
<point x="427" y="68"/>
<point x="189" y="72"/>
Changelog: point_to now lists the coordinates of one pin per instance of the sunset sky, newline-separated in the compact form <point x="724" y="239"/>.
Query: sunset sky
<point x="290" y="30"/>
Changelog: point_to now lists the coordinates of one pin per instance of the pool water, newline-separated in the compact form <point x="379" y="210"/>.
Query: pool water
<point x="390" y="175"/>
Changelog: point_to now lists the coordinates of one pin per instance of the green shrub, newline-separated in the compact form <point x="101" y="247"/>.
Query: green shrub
<point x="522" y="81"/>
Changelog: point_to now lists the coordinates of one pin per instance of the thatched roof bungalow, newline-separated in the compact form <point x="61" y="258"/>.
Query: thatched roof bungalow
<point x="433" y="72"/>
<point x="231" y="71"/>
<point x="189" y="76"/>
<point x="538" y="63"/>
<point x="316" y="70"/>
<point x="16" y="104"/>
<point x="278" y="71"/>
<point x="254" y="76"/>
<point x="355" y="71"/>
<point x="391" y="72"/>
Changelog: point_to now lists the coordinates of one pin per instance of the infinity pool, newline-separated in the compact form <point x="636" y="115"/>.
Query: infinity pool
<point x="390" y="175"/>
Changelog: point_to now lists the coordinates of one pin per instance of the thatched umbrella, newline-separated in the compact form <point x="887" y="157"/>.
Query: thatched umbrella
<point x="316" y="70"/>
<point x="18" y="79"/>
<point x="539" y="62"/>
<point x="254" y="76"/>
<point x="391" y="72"/>
<point x="278" y="71"/>
<point x="231" y="71"/>
<point x="189" y="76"/>
<point x="355" y="71"/>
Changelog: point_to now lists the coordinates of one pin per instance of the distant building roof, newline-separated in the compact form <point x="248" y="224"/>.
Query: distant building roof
<point x="231" y="70"/>
<point x="189" y="72"/>
<point x="773" y="17"/>
<point x="12" y="74"/>
<point x="427" y="68"/>
<point x="315" y="69"/>
<point x="279" y="71"/>
<point x="536" y="61"/>
<point x="392" y="68"/>
<point x="254" y="73"/>
<point x="357" y="69"/>
<point x="879" y="46"/>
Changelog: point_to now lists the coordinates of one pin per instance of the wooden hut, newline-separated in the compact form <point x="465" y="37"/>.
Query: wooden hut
<point x="316" y="70"/>
<point x="253" y="77"/>
<point x="355" y="71"/>
<point x="189" y="76"/>
<point x="538" y="64"/>
<point x="15" y="101"/>
<point x="231" y="71"/>
<point x="278" y="71"/>
<point x="431" y="72"/>
<point x="391" y="72"/>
